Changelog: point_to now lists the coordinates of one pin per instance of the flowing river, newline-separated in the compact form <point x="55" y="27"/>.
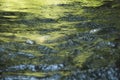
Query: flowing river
<point x="59" y="40"/>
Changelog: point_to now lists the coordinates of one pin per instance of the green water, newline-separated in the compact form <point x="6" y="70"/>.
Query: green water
<point x="79" y="34"/>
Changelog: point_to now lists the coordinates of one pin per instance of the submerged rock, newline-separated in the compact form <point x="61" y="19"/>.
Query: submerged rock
<point x="16" y="68"/>
<point x="19" y="78"/>
<point x="105" y="44"/>
<point x="53" y="77"/>
<point x="109" y="73"/>
<point x="30" y="41"/>
<point x="46" y="50"/>
<point x="52" y="67"/>
<point x="25" y="54"/>
<point x="70" y="42"/>
<point x="34" y="68"/>
<point x="95" y="30"/>
<point x="2" y="49"/>
<point x="21" y="67"/>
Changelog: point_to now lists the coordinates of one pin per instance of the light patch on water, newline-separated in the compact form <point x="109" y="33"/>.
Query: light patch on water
<point x="13" y="17"/>
<point x="95" y="30"/>
<point x="55" y="1"/>
<point x="17" y="5"/>
<point x="42" y="39"/>
<point x="13" y="5"/>
<point x="34" y="38"/>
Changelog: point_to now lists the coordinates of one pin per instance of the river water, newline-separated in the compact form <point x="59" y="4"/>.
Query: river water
<point x="59" y="40"/>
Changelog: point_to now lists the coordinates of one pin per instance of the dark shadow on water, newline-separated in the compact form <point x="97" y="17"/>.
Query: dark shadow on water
<point x="74" y="3"/>
<point x="72" y="18"/>
<point x="14" y="21"/>
<point x="9" y="19"/>
<point x="35" y="21"/>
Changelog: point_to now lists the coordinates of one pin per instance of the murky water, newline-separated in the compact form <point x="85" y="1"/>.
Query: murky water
<point x="59" y="40"/>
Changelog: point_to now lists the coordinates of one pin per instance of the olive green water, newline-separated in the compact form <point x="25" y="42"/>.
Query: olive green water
<point x="79" y="35"/>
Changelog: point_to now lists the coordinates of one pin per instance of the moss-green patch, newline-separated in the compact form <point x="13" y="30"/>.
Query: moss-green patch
<point x="36" y="74"/>
<point x="80" y="59"/>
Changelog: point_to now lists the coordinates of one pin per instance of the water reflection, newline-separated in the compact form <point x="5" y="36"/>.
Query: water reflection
<point x="56" y="36"/>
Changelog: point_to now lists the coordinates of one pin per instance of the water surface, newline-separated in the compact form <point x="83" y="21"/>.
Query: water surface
<point x="59" y="40"/>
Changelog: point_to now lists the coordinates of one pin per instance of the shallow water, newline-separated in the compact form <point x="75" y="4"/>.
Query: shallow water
<point x="59" y="40"/>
